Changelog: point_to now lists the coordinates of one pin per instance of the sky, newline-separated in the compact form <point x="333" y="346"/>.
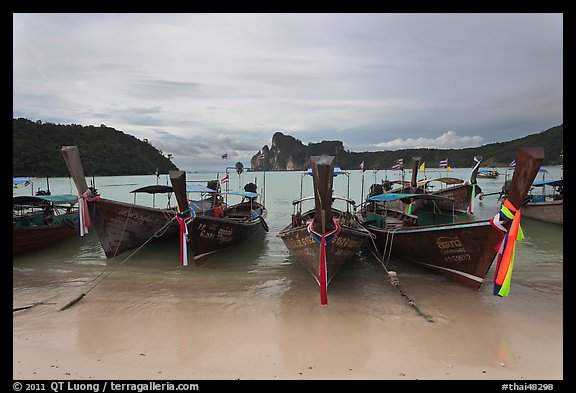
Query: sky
<point x="199" y="85"/>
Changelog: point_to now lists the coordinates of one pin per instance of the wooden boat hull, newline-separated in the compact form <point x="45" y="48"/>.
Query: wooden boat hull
<point x="123" y="226"/>
<point x="463" y="252"/>
<point x="32" y="238"/>
<point x="209" y="234"/>
<point x="549" y="211"/>
<point x="461" y="194"/>
<point x="343" y="249"/>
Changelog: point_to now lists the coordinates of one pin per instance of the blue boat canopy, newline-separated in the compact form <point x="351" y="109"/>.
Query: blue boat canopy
<point x="247" y="194"/>
<point x="548" y="183"/>
<point x="18" y="180"/>
<point x="388" y="197"/>
<point x="195" y="187"/>
<point x="337" y="171"/>
<point x="45" y="199"/>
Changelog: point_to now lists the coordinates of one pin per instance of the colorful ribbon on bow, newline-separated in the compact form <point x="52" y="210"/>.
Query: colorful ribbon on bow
<point x="183" y="219"/>
<point x="323" y="239"/>
<point x="413" y="191"/>
<point x="83" y="214"/>
<point x="470" y="208"/>
<point x="503" y="275"/>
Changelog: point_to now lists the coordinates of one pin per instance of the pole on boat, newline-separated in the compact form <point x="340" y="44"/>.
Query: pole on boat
<point x="413" y="181"/>
<point x="185" y="214"/>
<point x="323" y="232"/>
<point x="71" y="156"/>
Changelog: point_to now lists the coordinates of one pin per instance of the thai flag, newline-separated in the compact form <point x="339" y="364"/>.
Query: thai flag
<point x="362" y="166"/>
<point x="225" y="179"/>
<point x="261" y="156"/>
<point x="225" y="156"/>
<point x="512" y="164"/>
<point x="399" y="164"/>
<point x="443" y="164"/>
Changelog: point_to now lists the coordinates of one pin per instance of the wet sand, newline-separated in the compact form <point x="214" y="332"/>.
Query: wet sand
<point x="206" y="324"/>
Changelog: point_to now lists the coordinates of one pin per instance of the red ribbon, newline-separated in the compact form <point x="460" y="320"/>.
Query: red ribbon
<point x="323" y="271"/>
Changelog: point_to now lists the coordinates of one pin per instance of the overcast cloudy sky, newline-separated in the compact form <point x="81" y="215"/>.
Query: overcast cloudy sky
<point x="201" y="85"/>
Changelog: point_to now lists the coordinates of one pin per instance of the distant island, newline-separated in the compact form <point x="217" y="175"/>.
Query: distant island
<point x="36" y="152"/>
<point x="288" y="153"/>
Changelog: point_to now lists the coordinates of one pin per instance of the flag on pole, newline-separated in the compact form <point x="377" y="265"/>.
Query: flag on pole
<point x="225" y="156"/>
<point x="399" y="164"/>
<point x="362" y="166"/>
<point x="512" y="164"/>
<point x="27" y="183"/>
<point x="261" y="156"/>
<point x="225" y="179"/>
<point x="422" y="167"/>
<point x="443" y="164"/>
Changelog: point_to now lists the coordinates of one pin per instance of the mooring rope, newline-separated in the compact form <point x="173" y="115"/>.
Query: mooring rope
<point x="108" y="272"/>
<point x="393" y="276"/>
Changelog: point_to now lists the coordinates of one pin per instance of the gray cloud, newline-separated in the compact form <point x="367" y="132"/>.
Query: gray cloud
<point x="200" y="85"/>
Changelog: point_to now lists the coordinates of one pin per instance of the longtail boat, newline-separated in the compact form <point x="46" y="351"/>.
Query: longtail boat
<point x="208" y="231"/>
<point x="324" y="239"/>
<point x="544" y="205"/>
<point x="122" y="226"/>
<point x="463" y="251"/>
<point x="42" y="220"/>
<point x="545" y="200"/>
<point x="459" y="193"/>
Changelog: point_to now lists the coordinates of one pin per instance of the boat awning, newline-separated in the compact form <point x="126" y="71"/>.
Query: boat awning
<point x="195" y="187"/>
<point x="154" y="189"/>
<point x="45" y="199"/>
<point x="388" y="197"/>
<point x="337" y="171"/>
<point x="548" y="183"/>
<point x="445" y="180"/>
<point x="18" y="180"/>
<point x="247" y="194"/>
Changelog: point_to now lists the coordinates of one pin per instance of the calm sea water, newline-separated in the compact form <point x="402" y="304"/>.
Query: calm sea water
<point x="539" y="258"/>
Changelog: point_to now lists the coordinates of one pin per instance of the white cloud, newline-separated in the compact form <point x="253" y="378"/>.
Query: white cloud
<point x="448" y="140"/>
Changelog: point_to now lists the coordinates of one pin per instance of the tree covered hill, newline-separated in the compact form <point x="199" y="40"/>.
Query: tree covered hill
<point x="105" y="151"/>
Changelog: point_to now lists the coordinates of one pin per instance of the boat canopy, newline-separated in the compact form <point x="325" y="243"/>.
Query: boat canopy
<point x="548" y="183"/>
<point x="247" y="194"/>
<point x="388" y="197"/>
<point x="41" y="200"/>
<point x="337" y="171"/>
<point x="18" y="180"/>
<point x="153" y="189"/>
<point x="445" y="180"/>
<point x="195" y="187"/>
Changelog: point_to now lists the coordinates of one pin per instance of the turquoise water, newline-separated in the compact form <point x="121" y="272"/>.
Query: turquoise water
<point x="539" y="256"/>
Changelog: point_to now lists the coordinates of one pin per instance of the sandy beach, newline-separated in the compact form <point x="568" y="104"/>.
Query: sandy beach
<point x="210" y="325"/>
